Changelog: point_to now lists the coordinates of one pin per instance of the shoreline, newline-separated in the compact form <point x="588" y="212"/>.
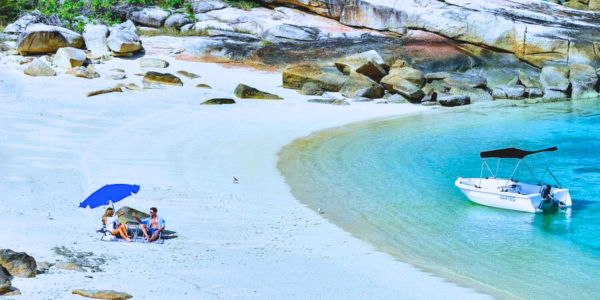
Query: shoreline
<point x="252" y="240"/>
<point x="455" y="278"/>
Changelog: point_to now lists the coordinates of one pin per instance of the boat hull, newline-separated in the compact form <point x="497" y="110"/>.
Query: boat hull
<point x="507" y="194"/>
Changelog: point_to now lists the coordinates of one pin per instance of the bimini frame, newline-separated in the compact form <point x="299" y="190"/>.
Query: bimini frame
<point x="513" y="153"/>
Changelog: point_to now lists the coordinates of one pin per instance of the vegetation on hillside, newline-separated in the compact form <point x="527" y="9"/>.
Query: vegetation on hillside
<point x="76" y="13"/>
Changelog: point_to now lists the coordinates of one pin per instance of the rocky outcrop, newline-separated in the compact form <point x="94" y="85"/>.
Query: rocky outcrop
<point x="33" y="17"/>
<point x="187" y="74"/>
<point x="513" y="92"/>
<point x="69" y="266"/>
<point x="153" y="63"/>
<point x="177" y="20"/>
<point x="69" y="58"/>
<point x="455" y="100"/>
<point x="583" y="4"/>
<point x="116" y="89"/>
<point x="369" y="63"/>
<point x="102" y="294"/>
<point x="405" y="81"/>
<point x="84" y="72"/>
<point x="536" y="32"/>
<point x="39" y="68"/>
<point x="247" y="92"/>
<point x="95" y="37"/>
<point x="150" y="16"/>
<point x="311" y="89"/>
<point x="328" y="79"/>
<point x="18" y="264"/>
<point x="202" y="6"/>
<point x="555" y="81"/>
<point x="361" y="86"/>
<point x="152" y="78"/>
<point x="337" y="102"/>
<point x="5" y="284"/>
<point x="218" y="101"/>
<point x="584" y="81"/>
<point x="290" y="32"/>
<point x="41" y="39"/>
<point x="123" y="40"/>
<point x="203" y="86"/>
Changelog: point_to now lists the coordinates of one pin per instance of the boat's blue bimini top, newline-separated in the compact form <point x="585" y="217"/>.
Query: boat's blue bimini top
<point x="512" y="153"/>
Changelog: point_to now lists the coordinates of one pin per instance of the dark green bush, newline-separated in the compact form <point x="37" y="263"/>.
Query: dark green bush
<point x="11" y="9"/>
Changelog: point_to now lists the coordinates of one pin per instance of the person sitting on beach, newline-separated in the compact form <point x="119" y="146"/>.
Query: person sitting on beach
<point x="151" y="226"/>
<point x="108" y="213"/>
<point x="113" y="226"/>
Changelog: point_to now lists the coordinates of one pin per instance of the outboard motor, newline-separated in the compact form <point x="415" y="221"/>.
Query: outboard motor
<point x="548" y="202"/>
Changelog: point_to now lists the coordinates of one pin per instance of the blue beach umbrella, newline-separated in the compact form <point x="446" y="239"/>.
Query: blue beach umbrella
<point x="109" y="193"/>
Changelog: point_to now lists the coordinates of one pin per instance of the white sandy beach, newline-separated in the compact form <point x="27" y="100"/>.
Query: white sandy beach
<point x="250" y="240"/>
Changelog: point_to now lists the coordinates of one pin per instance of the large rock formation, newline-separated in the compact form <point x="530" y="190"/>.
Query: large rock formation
<point x="69" y="58"/>
<point x="18" y="264"/>
<point x="39" y="68"/>
<point x="583" y="80"/>
<point x="5" y="283"/>
<point x="123" y="40"/>
<point x="95" y="37"/>
<point x="361" y="86"/>
<point x="328" y="79"/>
<point x="41" y="39"/>
<point x="535" y="31"/>
<point x="150" y="16"/>
<point x="34" y="17"/>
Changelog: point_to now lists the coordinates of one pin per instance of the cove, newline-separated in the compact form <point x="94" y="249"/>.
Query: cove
<point x="390" y="182"/>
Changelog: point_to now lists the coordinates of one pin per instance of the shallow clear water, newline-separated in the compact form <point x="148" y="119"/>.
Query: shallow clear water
<point x="391" y="182"/>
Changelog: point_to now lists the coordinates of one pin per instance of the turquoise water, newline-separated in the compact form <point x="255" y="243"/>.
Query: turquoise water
<point x="391" y="182"/>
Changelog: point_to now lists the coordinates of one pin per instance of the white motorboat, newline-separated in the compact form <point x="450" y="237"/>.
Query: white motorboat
<point x="509" y="193"/>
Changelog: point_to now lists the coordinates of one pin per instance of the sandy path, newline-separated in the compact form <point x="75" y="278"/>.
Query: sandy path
<point x="250" y="240"/>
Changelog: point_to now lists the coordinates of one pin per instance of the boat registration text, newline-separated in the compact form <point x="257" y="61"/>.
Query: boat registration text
<point x="509" y="198"/>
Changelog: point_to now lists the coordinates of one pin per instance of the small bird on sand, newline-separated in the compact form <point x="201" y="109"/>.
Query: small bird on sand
<point x="235" y="180"/>
<point x="320" y="210"/>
